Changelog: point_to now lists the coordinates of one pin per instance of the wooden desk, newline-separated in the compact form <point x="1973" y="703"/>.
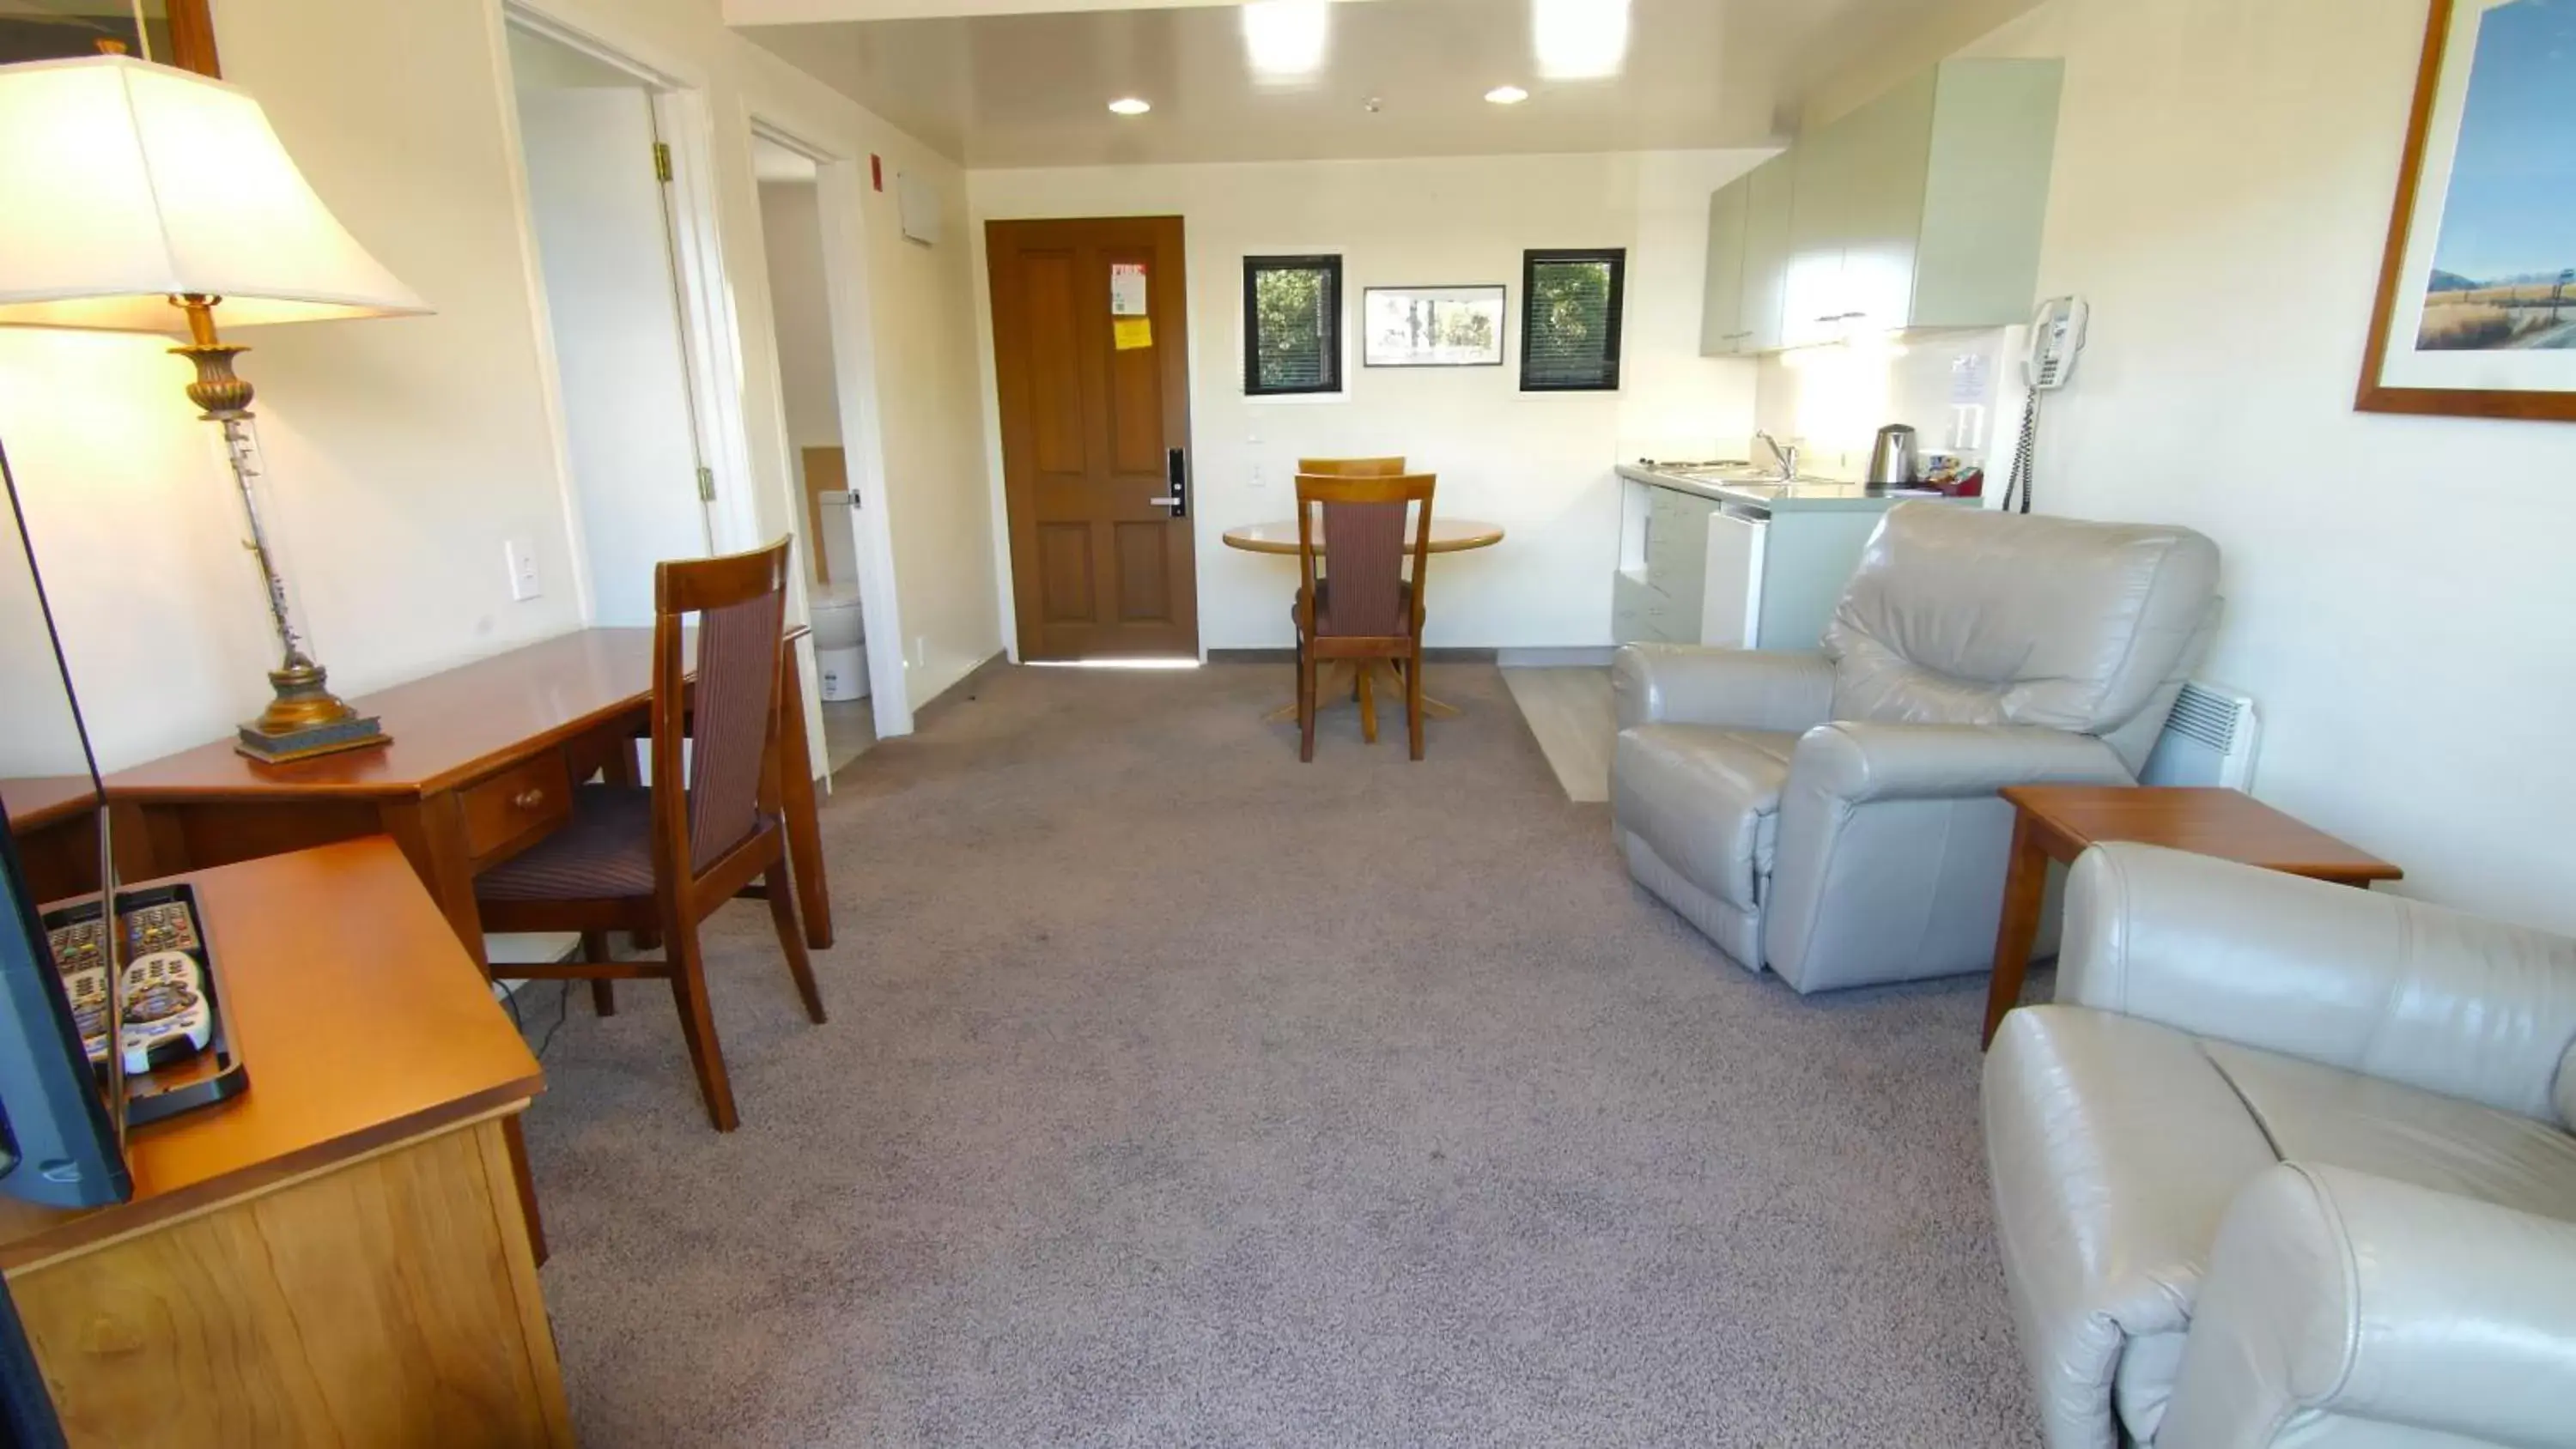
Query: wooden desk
<point x="2057" y="822"/>
<point x="54" y="819"/>
<point x="332" y="1257"/>
<point x="482" y="765"/>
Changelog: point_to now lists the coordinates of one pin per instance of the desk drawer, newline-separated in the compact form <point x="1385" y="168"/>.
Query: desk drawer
<point x="520" y="803"/>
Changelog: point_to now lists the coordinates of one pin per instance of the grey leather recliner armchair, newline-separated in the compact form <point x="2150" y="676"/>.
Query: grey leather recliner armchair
<point x="1832" y="815"/>
<point x="2289" y="1163"/>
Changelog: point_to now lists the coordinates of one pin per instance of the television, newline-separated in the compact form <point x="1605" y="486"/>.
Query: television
<point x="61" y="1140"/>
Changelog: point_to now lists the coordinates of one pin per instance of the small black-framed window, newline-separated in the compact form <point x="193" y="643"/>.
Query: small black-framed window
<point x="1292" y="325"/>
<point x="1570" y="319"/>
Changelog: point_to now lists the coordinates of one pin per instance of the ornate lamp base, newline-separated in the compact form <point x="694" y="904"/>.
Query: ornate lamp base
<point x="305" y="720"/>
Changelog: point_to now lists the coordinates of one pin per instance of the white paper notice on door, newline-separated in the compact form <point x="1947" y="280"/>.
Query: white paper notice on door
<point x="1126" y="289"/>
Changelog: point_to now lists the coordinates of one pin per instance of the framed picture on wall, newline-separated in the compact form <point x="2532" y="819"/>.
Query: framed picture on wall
<point x="1432" y="326"/>
<point x="2476" y="314"/>
<point x="169" y="32"/>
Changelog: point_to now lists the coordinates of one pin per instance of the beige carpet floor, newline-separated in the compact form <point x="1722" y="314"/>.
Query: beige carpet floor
<point x="1177" y="1093"/>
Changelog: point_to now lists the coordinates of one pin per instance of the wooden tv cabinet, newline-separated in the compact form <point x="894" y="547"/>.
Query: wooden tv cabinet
<point x="338" y="1256"/>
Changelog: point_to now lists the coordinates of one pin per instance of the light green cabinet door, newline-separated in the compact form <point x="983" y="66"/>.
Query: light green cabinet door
<point x="1883" y="148"/>
<point x="1922" y="208"/>
<point x="1811" y="288"/>
<point x="1985" y="194"/>
<point x="1770" y="195"/>
<point x="1721" y="333"/>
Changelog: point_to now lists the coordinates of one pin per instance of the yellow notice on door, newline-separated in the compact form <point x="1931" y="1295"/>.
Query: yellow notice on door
<point x="1129" y="333"/>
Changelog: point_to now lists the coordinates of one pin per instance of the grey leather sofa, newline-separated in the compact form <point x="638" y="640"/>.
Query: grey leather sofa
<point x="2289" y="1163"/>
<point x="1832" y="815"/>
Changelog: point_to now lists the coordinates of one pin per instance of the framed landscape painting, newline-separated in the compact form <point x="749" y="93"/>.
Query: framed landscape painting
<point x="1431" y="327"/>
<point x="2476" y="313"/>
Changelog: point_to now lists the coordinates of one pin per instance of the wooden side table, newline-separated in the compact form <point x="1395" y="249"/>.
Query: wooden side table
<point x="2056" y="822"/>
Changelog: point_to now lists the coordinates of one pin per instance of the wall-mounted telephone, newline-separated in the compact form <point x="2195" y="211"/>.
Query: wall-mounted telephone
<point x="2056" y="335"/>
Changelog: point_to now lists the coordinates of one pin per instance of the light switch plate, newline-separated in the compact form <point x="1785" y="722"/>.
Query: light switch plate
<point x="522" y="557"/>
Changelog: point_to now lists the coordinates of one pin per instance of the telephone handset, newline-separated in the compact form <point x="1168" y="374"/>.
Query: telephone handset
<point x="2056" y="335"/>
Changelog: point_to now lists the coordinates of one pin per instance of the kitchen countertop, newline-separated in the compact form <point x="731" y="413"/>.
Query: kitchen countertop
<point x="1753" y="490"/>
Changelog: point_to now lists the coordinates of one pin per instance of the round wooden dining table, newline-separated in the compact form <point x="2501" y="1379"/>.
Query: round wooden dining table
<point x="1448" y="535"/>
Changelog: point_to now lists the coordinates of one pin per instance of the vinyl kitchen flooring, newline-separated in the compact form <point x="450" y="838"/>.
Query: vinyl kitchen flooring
<point x="1569" y="711"/>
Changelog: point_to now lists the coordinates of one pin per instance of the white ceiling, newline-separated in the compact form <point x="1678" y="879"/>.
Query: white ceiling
<point x="1032" y="89"/>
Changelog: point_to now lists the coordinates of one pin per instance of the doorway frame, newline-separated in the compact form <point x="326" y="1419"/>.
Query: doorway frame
<point x="710" y="333"/>
<point x="997" y="466"/>
<point x="840" y="207"/>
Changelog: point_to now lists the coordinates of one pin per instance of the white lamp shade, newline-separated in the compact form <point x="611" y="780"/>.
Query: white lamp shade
<point x="123" y="184"/>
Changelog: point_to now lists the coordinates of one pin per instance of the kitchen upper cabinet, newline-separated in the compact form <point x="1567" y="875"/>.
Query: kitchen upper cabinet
<point x="1820" y="231"/>
<point x="1920" y="209"/>
<point x="1748" y="244"/>
<point x="1721" y="308"/>
<point x="1770" y="200"/>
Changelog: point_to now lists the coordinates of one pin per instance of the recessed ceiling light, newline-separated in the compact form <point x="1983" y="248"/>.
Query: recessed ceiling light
<point x="1507" y="95"/>
<point x="1130" y="106"/>
<point x="1286" y="39"/>
<point x="1579" y="39"/>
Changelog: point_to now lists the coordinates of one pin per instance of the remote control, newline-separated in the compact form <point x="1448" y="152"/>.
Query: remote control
<point x="87" y="989"/>
<point x="166" y="1016"/>
<point x="164" y="927"/>
<point x="84" y="971"/>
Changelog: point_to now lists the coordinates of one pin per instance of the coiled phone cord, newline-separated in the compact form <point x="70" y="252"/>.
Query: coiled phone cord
<point x="2020" y="479"/>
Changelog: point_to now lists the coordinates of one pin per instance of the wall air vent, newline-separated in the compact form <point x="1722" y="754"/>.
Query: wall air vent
<point x="2208" y="740"/>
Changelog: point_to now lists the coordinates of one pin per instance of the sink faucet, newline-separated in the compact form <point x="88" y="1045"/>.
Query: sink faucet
<point x="1785" y="453"/>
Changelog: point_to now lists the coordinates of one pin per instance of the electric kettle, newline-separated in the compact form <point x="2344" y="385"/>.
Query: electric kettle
<point x="1892" y="462"/>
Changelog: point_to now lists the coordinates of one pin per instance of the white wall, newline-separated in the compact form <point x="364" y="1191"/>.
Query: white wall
<point x="38" y="734"/>
<point x="1539" y="464"/>
<point x="1832" y="400"/>
<point x="2399" y="595"/>
<point x="405" y="452"/>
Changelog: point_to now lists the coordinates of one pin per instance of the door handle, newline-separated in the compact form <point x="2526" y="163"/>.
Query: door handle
<point x="1177" y="469"/>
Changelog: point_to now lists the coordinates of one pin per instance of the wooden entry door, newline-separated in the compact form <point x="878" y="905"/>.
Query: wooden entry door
<point x="1095" y="412"/>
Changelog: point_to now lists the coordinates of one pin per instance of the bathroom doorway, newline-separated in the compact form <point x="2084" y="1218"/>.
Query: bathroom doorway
<point x="823" y="463"/>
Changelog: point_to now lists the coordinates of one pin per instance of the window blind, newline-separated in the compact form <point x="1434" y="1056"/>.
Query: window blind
<point x="1292" y="325"/>
<point x="1570" y="320"/>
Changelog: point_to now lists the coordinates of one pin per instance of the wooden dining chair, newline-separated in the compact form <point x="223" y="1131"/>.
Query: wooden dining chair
<point x="661" y="858"/>
<point x="1361" y="608"/>
<point x="1351" y="467"/>
<point x="1354" y="468"/>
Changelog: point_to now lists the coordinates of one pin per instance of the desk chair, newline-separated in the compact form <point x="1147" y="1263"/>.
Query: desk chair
<point x="1365" y="610"/>
<point x="660" y="859"/>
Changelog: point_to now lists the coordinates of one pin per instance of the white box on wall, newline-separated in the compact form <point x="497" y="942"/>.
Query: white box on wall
<point x="917" y="202"/>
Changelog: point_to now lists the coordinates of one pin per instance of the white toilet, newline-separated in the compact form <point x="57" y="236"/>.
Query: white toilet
<point x="840" y="642"/>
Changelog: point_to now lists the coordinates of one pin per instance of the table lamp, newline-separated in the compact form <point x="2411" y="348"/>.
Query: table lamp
<point x="137" y="198"/>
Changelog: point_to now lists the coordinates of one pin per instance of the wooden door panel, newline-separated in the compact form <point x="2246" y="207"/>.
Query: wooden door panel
<point x="1065" y="590"/>
<point x="1088" y="429"/>
<point x="1136" y="419"/>
<point x="1144" y="573"/>
<point x="1053" y="358"/>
